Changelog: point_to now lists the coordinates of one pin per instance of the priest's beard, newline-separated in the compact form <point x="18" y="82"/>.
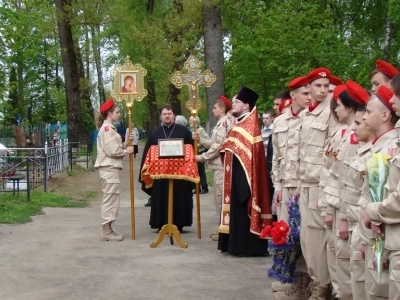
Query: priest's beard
<point x="237" y="114"/>
<point x="168" y="123"/>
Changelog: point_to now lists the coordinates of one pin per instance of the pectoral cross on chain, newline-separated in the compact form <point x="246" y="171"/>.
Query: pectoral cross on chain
<point x="193" y="79"/>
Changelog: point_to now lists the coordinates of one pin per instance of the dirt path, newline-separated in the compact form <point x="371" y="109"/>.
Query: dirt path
<point x="60" y="256"/>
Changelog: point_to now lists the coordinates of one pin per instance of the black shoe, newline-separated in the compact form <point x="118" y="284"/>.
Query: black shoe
<point x="148" y="204"/>
<point x="204" y="192"/>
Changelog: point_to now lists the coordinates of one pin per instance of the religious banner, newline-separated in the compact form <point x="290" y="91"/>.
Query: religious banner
<point x="128" y="85"/>
<point x="128" y="82"/>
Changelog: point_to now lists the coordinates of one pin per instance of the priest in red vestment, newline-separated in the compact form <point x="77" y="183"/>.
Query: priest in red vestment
<point x="246" y="207"/>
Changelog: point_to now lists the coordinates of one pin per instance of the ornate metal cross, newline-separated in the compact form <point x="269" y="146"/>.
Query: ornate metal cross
<point x="193" y="79"/>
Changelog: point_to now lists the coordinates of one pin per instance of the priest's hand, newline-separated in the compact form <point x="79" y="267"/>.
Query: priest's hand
<point x="344" y="229"/>
<point x="328" y="221"/>
<point x="198" y="158"/>
<point x="195" y="136"/>
<point x="278" y="198"/>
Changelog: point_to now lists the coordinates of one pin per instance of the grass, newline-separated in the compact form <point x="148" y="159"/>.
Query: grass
<point x="17" y="210"/>
<point x="94" y="154"/>
<point x="209" y="176"/>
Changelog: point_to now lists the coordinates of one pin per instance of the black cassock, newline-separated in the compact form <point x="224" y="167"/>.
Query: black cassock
<point x="240" y="241"/>
<point x="183" y="197"/>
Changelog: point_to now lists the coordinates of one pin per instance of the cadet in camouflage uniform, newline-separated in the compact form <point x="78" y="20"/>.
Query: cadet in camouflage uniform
<point x="211" y="156"/>
<point x="109" y="164"/>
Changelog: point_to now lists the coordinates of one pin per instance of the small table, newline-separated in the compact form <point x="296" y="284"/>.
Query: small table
<point x="16" y="178"/>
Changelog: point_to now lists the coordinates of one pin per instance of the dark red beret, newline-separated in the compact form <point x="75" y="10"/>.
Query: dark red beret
<point x="386" y="69"/>
<point x="226" y="102"/>
<point x="338" y="90"/>
<point x="284" y="103"/>
<point x="297" y="83"/>
<point x="357" y="92"/>
<point x="248" y="96"/>
<point x="335" y="80"/>
<point x="384" y="94"/>
<point x="107" y="105"/>
<point x="317" y="74"/>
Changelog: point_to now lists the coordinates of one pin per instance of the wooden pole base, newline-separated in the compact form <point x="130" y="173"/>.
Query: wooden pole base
<point x="172" y="231"/>
<point x="169" y="228"/>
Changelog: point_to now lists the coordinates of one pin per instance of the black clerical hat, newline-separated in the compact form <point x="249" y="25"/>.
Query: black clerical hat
<point x="247" y="95"/>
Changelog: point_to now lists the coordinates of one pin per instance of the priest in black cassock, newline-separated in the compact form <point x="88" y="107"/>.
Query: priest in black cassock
<point x="246" y="196"/>
<point x="183" y="197"/>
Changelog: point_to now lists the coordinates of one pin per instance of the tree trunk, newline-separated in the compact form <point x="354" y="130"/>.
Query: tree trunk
<point x="20" y="138"/>
<point x="152" y="102"/>
<point x="97" y="60"/>
<point x="71" y="72"/>
<point x="85" y="76"/>
<point x="388" y="39"/>
<point x="177" y="8"/>
<point x="154" y="121"/>
<point x="150" y="6"/>
<point x="175" y="92"/>
<point x="214" y="56"/>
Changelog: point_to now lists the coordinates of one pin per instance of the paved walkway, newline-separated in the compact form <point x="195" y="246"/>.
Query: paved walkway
<point x="60" y="256"/>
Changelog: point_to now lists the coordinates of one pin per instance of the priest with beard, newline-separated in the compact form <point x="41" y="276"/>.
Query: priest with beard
<point x="182" y="196"/>
<point x="246" y="207"/>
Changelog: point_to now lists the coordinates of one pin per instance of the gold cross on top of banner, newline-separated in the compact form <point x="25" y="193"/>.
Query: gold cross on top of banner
<point x="193" y="79"/>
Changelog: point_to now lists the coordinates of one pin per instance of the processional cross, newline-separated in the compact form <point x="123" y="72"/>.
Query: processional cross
<point x="193" y="79"/>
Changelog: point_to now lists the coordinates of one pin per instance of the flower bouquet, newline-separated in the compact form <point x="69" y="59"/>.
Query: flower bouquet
<point x="377" y="168"/>
<point x="284" y="244"/>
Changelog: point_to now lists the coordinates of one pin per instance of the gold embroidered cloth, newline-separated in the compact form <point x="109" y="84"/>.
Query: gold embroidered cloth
<point x="169" y="168"/>
<point x="245" y="142"/>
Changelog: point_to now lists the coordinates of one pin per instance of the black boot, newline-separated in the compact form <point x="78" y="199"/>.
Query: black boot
<point x="148" y="204"/>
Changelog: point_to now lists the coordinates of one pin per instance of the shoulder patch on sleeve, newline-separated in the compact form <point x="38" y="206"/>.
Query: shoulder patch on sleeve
<point x="106" y="128"/>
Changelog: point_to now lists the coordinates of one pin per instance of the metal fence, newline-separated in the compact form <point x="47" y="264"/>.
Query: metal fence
<point x="25" y="169"/>
<point x="81" y="149"/>
<point x="43" y="131"/>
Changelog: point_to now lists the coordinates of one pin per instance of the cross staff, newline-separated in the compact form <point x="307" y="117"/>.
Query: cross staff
<point x="193" y="79"/>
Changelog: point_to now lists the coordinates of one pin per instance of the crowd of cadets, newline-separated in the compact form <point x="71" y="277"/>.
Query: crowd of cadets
<point x="326" y="132"/>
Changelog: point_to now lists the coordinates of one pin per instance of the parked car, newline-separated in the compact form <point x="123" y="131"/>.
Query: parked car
<point x="121" y="129"/>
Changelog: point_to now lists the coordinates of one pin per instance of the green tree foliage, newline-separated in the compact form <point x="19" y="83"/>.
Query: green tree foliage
<point x="28" y="40"/>
<point x="271" y="42"/>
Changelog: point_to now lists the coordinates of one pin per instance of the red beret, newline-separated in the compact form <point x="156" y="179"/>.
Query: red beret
<point x="107" y="105"/>
<point x="226" y="102"/>
<point x="297" y="83"/>
<point x="335" y="80"/>
<point x="384" y="94"/>
<point x="357" y="92"/>
<point x="317" y="74"/>
<point x="284" y="103"/>
<point x="338" y="90"/>
<point x="386" y="69"/>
